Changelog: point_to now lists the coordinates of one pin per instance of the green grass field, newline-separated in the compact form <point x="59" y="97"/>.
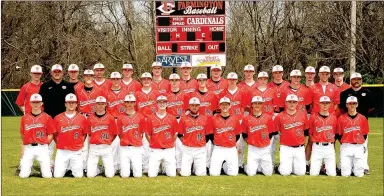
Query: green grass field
<point x="162" y="185"/>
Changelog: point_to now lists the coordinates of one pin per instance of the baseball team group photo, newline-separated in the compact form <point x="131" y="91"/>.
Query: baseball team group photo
<point x="195" y="110"/>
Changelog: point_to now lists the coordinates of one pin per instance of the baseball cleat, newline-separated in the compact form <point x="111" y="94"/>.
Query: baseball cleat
<point x="366" y="172"/>
<point x="17" y="172"/>
<point x="307" y="169"/>
<point x="68" y="173"/>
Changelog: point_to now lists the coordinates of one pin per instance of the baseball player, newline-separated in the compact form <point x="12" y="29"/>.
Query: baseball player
<point x="73" y="72"/>
<point x="269" y="95"/>
<point x="338" y="75"/>
<point x="322" y="130"/>
<point x="160" y="84"/>
<point x="102" y="131"/>
<point x="128" y="82"/>
<point x="310" y="73"/>
<point x="277" y="83"/>
<point x="352" y="131"/>
<point x="72" y="128"/>
<point x="187" y="84"/>
<point x="194" y="128"/>
<point x="226" y="132"/>
<point x="99" y="80"/>
<point x="146" y="105"/>
<point x="36" y="130"/>
<point x="216" y="83"/>
<point x="24" y="95"/>
<point x="258" y="128"/>
<point x="161" y="134"/>
<point x="304" y="94"/>
<point x="131" y="126"/>
<point x="249" y="84"/>
<point x="292" y="125"/>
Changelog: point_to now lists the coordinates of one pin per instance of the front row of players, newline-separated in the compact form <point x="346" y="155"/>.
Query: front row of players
<point x="161" y="129"/>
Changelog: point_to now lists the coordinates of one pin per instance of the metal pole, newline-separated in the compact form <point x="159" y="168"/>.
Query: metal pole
<point x="352" y="66"/>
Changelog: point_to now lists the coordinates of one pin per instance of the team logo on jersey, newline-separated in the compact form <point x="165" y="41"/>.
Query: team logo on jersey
<point x="64" y="87"/>
<point x="38" y="125"/>
<point x="257" y="128"/>
<point x="189" y="90"/>
<point x="363" y="94"/>
<point x="161" y="128"/>
<point x="195" y="128"/>
<point x="174" y="103"/>
<point x="99" y="128"/>
<point x="117" y="102"/>
<point x="69" y="128"/>
<point x="129" y="127"/>
<point x="323" y="128"/>
<point x="235" y="103"/>
<point x="224" y="129"/>
<point x="146" y="103"/>
<point x="205" y="103"/>
<point x="350" y="129"/>
<point x="292" y="125"/>
<point x="87" y="102"/>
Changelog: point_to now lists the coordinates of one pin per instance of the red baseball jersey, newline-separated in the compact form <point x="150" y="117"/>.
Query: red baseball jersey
<point x="189" y="86"/>
<point x="352" y="131"/>
<point x="322" y="129"/>
<point x="71" y="132"/>
<point x="87" y="100"/>
<point x="330" y="90"/>
<point x="146" y="103"/>
<point x="131" y="87"/>
<point x="217" y="87"/>
<point x="291" y="128"/>
<point x="115" y="101"/>
<point x="35" y="129"/>
<point x="26" y="91"/>
<point x="208" y="102"/>
<point x="270" y="99"/>
<point x="244" y="86"/>
<point x="195" y="130"/>
<point x="278" y="88"/>
<point x="101" y="130"/>
<point x="225" y="130"/>
<point x="105" y="85"/>
<point x="162" y="131"/>
<point x="163" y="86"/>
<point x="239" y="101"/>
<point x="341" y="88"/>
<point x="131" y="129"/>
<point x="258" y="129"/>
<point x="304" y="95"/>
<point x="177" y="103"/>
<point x="78" y="85"/>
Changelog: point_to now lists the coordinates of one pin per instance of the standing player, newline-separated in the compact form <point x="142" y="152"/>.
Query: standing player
<point x="73" y="72"/>
<point x="161" y="134"/>
<point x="226" y="132"/>
<point x="322" y="130"/>
<point x="116" y="95"/>
<point x="100" y="81"/>
<point x="131" y="126"/>
<point x="24" y="96"/>
<point x="249" y="84"/>
<point x="292" y="125"/>
<point x="277" y="84"/>
<point x="310" y="74"/>
<point x="258" y="128"/>
<point x="72" y="129"/>
<point x="36" y="130"/>
<point x="269" y="95"/>
<point x="352" y="131"/>
<point x="128" y="82"/>
<point x="187" y="84"/>
<point x="338" y="75"/>
<point x="87" y="94"/>
<point x="102" y="131"/>
<point x="366" y="101"/>
<point x="194" y="128"/>
<point x="216" y="83"/>
<point x="158" y="83"/>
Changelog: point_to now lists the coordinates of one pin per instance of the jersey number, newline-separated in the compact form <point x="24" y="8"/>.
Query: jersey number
<point x="230" y="137"/>
<point x="199" y="137"/>
<point x="167" y="135"/>
<point x="104" y="136"/>
<point x="76" y="135"/>
<point x="39" y="134"/>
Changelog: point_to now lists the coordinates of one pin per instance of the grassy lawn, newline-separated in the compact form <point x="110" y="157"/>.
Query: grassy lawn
<point x="224" y="185"/>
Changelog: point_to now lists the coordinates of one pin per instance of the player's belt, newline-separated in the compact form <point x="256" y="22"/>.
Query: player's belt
<point x="297" y="146"/>
<point x="34" y="144"/>
<point x="323" y="144"/>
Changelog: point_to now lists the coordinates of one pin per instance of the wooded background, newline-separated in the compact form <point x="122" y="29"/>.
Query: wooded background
<point x="293" y="34"/>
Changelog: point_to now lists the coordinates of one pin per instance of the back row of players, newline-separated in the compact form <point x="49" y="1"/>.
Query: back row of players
<point x="162" y="103"/>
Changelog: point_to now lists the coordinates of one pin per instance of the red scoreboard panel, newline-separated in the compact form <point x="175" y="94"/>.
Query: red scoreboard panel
<point x="190" y="33"/>
<point x="189" y="47"/>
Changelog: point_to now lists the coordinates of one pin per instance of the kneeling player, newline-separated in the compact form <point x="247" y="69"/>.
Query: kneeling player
<point x="161" y="134"/>
<point x="322" y="129"/>
<point x="352" y="131"/>
<point x="131" y="128"/>
<point x="258" y="129"/>
<point x="226" y="131"/>
<point x="72" y="128"/>
<point x="36" y="131"/>
<point x="102" y="131"/>
<point x="194" y="128"/>
<point x="292" y="125"/>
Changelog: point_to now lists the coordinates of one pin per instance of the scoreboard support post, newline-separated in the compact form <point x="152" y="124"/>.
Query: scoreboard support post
<point x="208" y="72"/>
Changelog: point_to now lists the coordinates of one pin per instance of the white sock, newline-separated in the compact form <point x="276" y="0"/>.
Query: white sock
<point x="307" y="162"/>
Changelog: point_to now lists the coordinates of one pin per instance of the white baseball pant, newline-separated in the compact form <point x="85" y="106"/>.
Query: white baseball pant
<point x="221" y="154"/>
<point x="84" y="153"/>
<point x="115" y="152"/>
<point x="197" y="156"/>
<point x="41" y="154"/>
<point x="292" y="158"/>
<point x="366" y="166"/>
<point x="65" y="157"/>
<point x="208" y="149"/>
<point x="145" y="154"/>
<point x="320" y="153"/>
<point x="128" y="155"/>
<point x="352" y="156"/>
<point x="103" y="151"/>
<point x="179" y="152"/>
<point x="259" y="158"/>
<point x="51" y="150"/>
<point x="240" y="144"/>
<point x="168" y="158"/>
